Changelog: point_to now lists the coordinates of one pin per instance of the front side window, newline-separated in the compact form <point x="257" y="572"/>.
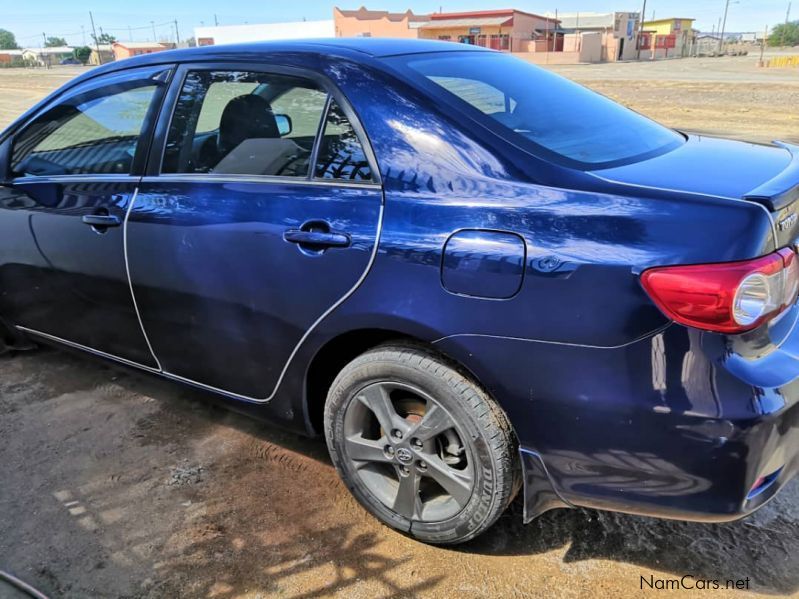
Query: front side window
<point x="538" y="109"/>
<point x="244" y="123"/>
<point x="93" y="133"/>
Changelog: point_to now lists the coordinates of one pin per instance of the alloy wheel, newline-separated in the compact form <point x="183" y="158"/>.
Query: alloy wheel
<point x="408" y="451"/>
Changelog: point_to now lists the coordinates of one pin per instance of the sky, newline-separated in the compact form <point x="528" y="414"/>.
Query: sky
<point x="136" y="20"/>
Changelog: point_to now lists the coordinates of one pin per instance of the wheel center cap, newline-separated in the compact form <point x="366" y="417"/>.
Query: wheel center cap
<point x="404" y="455"/>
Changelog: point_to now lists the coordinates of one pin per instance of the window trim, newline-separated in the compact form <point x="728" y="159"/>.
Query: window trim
<point x="153" y="172"/>
<point x="160" y="75"/>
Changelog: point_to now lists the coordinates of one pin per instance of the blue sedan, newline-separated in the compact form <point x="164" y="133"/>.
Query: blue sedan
<point x="473" y="277"/>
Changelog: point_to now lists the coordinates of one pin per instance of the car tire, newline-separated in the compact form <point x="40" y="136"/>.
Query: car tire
<point x="443" y="466"/>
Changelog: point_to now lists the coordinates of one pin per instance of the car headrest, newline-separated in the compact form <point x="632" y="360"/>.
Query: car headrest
<point x="246" y="117"/>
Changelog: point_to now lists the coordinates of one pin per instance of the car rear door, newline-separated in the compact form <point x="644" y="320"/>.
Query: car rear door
<point x="72" y="174"/>
<point x="252" y="226"/>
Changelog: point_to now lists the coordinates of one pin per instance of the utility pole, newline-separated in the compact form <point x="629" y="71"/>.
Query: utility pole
<point x="177" y="35"/>
<point x="787" y="18"/>
<point x="763" y="47"/>
<point x="96" y="42"/>
<point x="153" y="24"/>
<point x="555" y="37"/>
<point x="723" y="26"/>
<point x="216" y="21"/>
<point x="83" y="33"/>
<point x="641" y="30"/>
<point x="44" y="40"/>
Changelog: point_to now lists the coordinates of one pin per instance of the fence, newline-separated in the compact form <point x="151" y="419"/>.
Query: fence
<point x="783" y="61"/>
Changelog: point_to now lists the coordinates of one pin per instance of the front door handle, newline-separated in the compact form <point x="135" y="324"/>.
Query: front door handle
<point x="101" y="221"/>
<point x="317" y="239"/>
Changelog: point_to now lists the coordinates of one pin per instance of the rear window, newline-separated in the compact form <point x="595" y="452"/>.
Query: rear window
<point x="534" y="107"/>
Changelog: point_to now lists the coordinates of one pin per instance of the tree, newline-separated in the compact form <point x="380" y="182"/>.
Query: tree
<point x="785" y="34"/>
<point x="82" y="54"/>
<point x="55" y="42"/>
<point x="104" y="38"/>
<point x="7" y="40"/>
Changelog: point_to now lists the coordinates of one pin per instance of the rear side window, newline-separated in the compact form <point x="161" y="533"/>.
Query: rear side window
<point x="261" y="124"/>
<point x="341" y="154"/>
<point x="94" y="133"/>
<point x="244" y="123"/>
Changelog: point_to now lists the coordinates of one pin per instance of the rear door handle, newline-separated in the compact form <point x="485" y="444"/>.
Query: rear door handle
<point x="101" y="221"/>
<point x="317" y="239"/>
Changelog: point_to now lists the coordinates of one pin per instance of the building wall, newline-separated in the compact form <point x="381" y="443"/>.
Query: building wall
<point x="121" y="51"/>
<point x="236" y="34"/>
<point x="545" y="58"/>
<point x="45" y="59"/>
<point x="588" y="46"/>
<point x="366" y="26"/>
<point x="523" y="27"/>
<point x="520" y="33"/>
<point x="453" y="32"/>
<point x="107" y="56"/>
<point x="682" y="31"/>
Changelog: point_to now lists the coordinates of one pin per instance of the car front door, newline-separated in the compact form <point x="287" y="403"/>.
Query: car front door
<point x="70" y="178"/>
<point x="260" y="216"/>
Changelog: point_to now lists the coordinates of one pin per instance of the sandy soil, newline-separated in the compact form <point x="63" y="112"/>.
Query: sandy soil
<point x="120" y="485"/>
<point x="115" y="484"/>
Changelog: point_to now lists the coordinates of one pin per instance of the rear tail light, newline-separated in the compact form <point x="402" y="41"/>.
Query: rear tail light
<point x="731" y="297"/>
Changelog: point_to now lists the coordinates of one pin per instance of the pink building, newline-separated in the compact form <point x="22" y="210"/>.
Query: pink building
<point x="377" y="23"/>
<point x="509" y="30"/>
<point x="127" y="49"/>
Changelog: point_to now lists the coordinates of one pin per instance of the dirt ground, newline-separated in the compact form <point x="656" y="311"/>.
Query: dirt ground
<point x="116" y="484"/>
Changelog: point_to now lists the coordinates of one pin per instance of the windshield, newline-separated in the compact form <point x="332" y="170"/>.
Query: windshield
<point x="555" y="114"/>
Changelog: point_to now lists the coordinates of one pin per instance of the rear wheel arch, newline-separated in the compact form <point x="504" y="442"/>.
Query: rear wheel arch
<point x="339" y="351"/>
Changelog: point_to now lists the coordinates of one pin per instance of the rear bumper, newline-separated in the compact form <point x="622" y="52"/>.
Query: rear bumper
<point x="682" y="424"/>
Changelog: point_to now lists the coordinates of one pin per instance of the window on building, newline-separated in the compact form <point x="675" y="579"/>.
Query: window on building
<point x="94" y="133"/>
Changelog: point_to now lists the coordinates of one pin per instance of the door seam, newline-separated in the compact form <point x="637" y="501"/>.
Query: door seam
<point x="130" y="280"/>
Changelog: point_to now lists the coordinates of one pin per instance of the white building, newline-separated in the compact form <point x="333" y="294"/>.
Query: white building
<point x="47" y="56"/>
<point x="619" y="31"/>
<point x="234" y="34"/>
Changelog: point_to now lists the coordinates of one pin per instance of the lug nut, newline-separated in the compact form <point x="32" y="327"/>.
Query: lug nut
<point x="421" y="466"/>
<point x="396" y="433"/>
<point x="389" y="451"/>
<point x="416" y="443"/>
<point x="404" y="470"/>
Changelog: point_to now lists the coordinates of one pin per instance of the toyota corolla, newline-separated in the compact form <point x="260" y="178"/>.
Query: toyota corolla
<point x="473" y="277"/>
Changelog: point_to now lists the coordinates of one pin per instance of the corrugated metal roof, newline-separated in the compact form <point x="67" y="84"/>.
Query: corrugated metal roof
<point x="477" y="22"/>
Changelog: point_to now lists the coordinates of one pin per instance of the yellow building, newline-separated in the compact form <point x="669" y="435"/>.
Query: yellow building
<point x="673" y="37"/>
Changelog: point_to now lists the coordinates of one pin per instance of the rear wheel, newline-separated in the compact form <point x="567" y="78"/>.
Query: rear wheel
<point x="420" y="445"/>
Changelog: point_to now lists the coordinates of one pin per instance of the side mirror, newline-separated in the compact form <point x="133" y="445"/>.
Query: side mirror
<point x="284" y="124"/>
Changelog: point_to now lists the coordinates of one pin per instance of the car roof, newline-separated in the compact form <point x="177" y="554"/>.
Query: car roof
<point x="353" y="47"/>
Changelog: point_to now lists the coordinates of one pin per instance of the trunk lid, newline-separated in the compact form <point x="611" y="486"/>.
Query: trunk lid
<point x="766" y="175"/>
